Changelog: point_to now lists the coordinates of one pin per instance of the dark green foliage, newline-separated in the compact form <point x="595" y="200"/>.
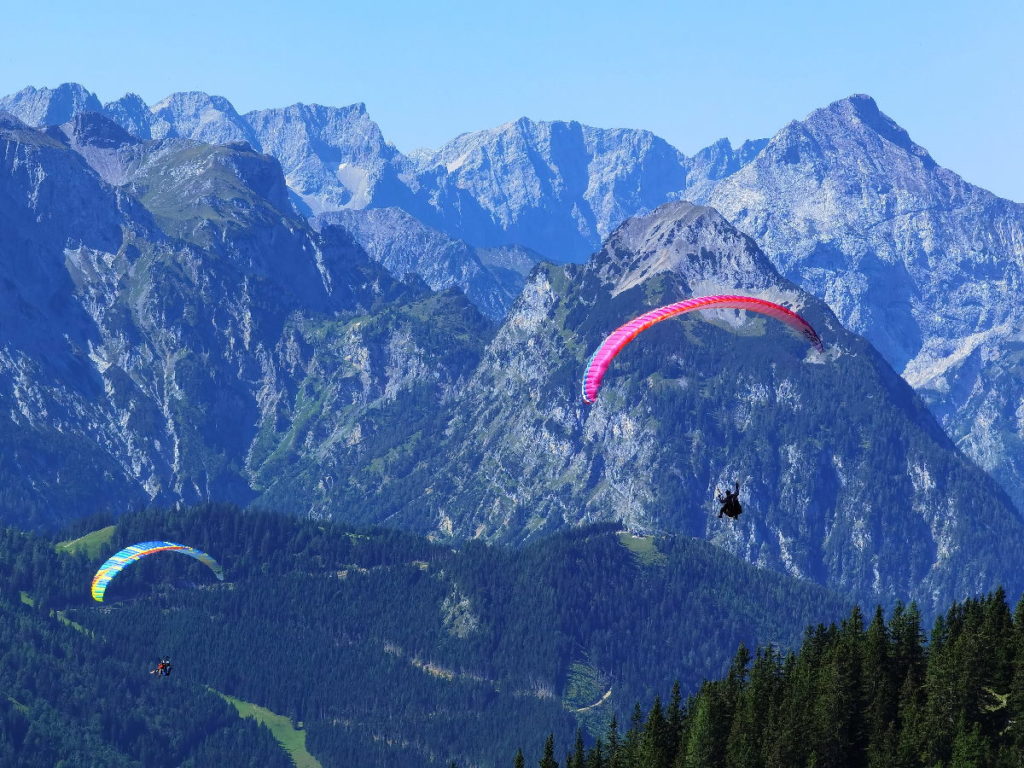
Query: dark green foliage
<point x="396" y="651"/>
<point x="67" y="699"/>
<point x="856" y="697"/>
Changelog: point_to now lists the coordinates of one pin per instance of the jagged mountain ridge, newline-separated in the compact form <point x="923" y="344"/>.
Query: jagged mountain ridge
<point x="557" y="187"/>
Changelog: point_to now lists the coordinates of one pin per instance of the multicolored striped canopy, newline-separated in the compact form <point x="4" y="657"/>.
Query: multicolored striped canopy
<point x="129" y="555"/>
<point x="621" y="336"/>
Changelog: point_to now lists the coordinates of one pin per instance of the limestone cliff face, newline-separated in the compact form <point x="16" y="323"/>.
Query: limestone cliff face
<point x="49" y="106"/>
<point x="333" y="157"/>
<point x="490" y="278"/>
<point x="926" y="266"/>
<point x="558" y="187"/>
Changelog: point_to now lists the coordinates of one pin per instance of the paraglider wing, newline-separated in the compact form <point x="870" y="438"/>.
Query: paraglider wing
<point x="129" y="555"/>
<point x="621" y="336"/>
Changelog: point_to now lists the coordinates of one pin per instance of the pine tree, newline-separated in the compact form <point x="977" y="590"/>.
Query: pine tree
<point x="792" y="717"/>
<point x="578" y="758"/>
<point x="655" y="741"/>
<point x="700" y="748"/>
<point x="548" y="759"/>
<point x="630" y="748"/>
<point x="912" y="740"/>
<point x="909" y="672"/>
<point x="519" y="761"/>
<point x="1015" y="730"/>
<point x="614" y="748"/>
<point x="880" y="695"/>
<point x="675" y="717"/>
<point x="756" y="705"/>
<point x="908" y="657"/>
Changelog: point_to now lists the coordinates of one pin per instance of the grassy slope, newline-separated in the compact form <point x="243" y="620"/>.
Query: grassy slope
<point x="288" y="736"/>
<point x="90" y="544"/>
<point x="643" y="547"/>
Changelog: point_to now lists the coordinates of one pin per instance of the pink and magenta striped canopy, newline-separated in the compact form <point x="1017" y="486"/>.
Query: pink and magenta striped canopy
<point x="624" y="334"/>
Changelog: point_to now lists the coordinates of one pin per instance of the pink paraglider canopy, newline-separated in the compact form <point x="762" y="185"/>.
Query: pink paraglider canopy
<point x="624" y="334"/>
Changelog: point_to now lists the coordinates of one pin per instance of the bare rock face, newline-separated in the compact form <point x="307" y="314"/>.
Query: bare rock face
<point x="405" y="246"/>
<point x="50" y="106"/>
<point x="199" y="116"/>
<point x="132" y="114"/>
<point x="333" y="157"/>
<point x="925" y="265"/>
<point x="156" y="332"/>
<point x="559" y="187"/>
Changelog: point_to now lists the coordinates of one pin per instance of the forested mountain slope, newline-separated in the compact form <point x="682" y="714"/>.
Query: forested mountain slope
<point x="389" y="649"/>
<point x="179" y="331"/>
<point x="854" y="696"/>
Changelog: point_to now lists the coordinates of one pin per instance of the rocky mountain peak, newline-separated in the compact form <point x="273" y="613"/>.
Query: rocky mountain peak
<point x="184" y="182"/>
<point x="862" y="109"/>
<point x="693" y="242"/>
<point x="345" y="134"/>
<point x="197" y="115"/>
<point x="557" y="187"/>
<point x="333" y="157"/>
<point x="906" y="253"/>
<point x="50" y="106"/>
<point x="92" y="129"/>
<point x="847" y="130"/>
<point x="131" y="113"/>
<point x="703" y="400"/>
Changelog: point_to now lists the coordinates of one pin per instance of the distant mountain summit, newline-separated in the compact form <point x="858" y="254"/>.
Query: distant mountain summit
<point x="333" y="157"/>
<point x="195" y="115"/>
<point x="907" y="253"/>
<point x="50" y="106"/>
<point x="558" y="188"/>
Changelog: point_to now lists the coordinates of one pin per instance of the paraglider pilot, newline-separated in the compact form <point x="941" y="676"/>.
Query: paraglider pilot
<point x="730" y="502"/>
<point x="163" y="667"/>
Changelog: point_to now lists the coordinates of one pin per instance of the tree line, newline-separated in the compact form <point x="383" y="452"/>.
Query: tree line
<point x="858" y="694"/>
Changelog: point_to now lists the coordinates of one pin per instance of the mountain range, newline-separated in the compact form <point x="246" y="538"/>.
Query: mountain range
<point x="280" y="308"/>
<point x="923" y="264"/>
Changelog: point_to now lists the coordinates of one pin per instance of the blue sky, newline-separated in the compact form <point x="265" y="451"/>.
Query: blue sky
<point x="688" y="71"/>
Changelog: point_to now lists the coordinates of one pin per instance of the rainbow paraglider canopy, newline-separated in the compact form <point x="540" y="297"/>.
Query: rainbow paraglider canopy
<point x="129" y="555"/>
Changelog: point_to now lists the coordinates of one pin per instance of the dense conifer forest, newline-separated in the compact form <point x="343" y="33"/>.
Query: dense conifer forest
<point x="391" y="650"/>
<point x="68" y="699"/>
<point x="387" y="649"/>
<point x="860" y="694"/>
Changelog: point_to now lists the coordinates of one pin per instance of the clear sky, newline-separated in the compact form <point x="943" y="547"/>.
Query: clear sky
<point x="951" y="73"/>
